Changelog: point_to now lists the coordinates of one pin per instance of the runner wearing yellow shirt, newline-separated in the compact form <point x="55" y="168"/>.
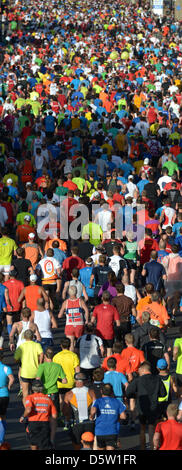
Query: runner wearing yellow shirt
<point x="69" y="361"/>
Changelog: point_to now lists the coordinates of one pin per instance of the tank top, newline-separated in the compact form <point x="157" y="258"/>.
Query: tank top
<point x="43" y="321"/>
<point x="74" y="313"/>
<point x="80" y="403"/>
<point x="31" y="297"/>
<point x="78" y="285"/>
<point x="25" y="326"/>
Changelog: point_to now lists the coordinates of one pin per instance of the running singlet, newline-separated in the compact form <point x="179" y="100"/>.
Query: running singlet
<point x="25" y="326"/>
<point x="74" y="313"/>
<point x="80" y="403"/>
<point x="169" y="213"/>
<point x="31" y="296"/>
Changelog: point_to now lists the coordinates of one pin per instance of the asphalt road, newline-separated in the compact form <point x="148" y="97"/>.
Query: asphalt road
<point x="15" y="433"/>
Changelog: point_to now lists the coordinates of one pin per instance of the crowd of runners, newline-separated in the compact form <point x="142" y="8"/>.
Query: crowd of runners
<point x="91" y="221"/>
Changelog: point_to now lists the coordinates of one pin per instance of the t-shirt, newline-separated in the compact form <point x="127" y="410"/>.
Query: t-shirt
<point x="170" y="434"/>
<point x="68" y="361"/>
<point x="117" y="380"/>
<point x="4" y="372"/>
<point x="178" y="344"/>
<point x="89" y="351"/>
<point x="105" y="316"/>
<point x="48" y="372"/>
<point x="154" y="273"/>
<point x="22" y="267"/>
<point x="28" y="353"/>
<point x="42" y="407"/>
<point x="7" y="247"/>
<point x="14" y="288"/>
<point x="108" y="412"/>
<point x="134" y="357"/>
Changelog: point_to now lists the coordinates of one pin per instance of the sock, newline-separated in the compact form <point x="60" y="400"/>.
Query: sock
<point x="9" y="328"/>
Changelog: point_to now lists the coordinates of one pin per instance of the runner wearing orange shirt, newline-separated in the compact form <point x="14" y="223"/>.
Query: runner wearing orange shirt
<point x="41" y="413"/>
<point x="158" y="312"/>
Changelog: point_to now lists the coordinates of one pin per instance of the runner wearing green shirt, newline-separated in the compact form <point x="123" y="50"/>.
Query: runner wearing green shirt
<point x="94" y="231"/>
<point x="50" y="373"/>
<point x="20" y="219"/>
<point x="177" y="356"/>
<point x="171" y="166"/>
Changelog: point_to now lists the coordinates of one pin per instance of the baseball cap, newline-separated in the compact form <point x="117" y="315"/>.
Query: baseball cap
<point x="162" y="364"/>
<point x="28" y="218"/>
<point x="130" y="177"/>
<point x="146" y="161"/>
<point x="33" y="277"/>
<point x="87" y="436"/>
<point x="28" y="183"/>
<point x="9" y="181"/>
<point x="31" y="235"/>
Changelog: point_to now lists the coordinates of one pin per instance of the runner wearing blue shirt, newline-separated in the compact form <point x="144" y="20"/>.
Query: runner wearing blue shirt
<point x="84" y="277"/>
<point x="6" y="382"/>
<point x="108" y="411"/>
<point x="116" y="379"/>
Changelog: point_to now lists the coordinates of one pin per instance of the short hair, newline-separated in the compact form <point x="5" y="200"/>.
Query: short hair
<point x="172" y="410"/>
<point x="145" y="365"/>
<point x="29" y="334"/>
<point x="111" y="363"/>
<point x="129" y="338"/>
<point x="154" y="333"/>
<point x="107" y="390"/>
<point x="149" y="288"/>
<point x="74" y="250"/>
<point x="26" y="312"/>
<point x="20" y="251"/>
<point x="145" y="316"/>
<point x="102" y="259"/>
<point x="72" y="290"/>
<point x="49" y="353"/>
<point x="155" y="296"/>
<point x="50" y="252"/>
<point x="106" y="296"/>
<point x="117" y="347"/>
<point x="120" y="288"/>
<point x="98" y="374"/>
<point x="65" y="343"/>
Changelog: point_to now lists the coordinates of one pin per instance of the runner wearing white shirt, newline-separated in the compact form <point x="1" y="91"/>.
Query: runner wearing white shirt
<point x="49" y="269"/>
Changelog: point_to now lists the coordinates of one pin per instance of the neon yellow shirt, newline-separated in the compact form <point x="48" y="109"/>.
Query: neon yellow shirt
<point x="7" y="247"/>
<point x="28" y="352"/>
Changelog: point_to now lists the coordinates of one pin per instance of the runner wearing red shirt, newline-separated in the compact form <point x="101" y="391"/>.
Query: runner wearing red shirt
<point x="168" y="434"/>
<point x="15" y="288"/>
<point x="105" y="315"/>
<point x="73" y="261"/>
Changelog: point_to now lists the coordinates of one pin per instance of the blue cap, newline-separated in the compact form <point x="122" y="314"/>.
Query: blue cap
<point x="162" y="364"/>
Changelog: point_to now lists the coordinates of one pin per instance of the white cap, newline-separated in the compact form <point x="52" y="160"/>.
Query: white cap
<point x="27" y="217"/>
<point x="31" y="235"/>
<point x="130" y="177"/>
<point x="33" y="278"/>
<point x="9" y="181"/>
<point x="146" y="161"/>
